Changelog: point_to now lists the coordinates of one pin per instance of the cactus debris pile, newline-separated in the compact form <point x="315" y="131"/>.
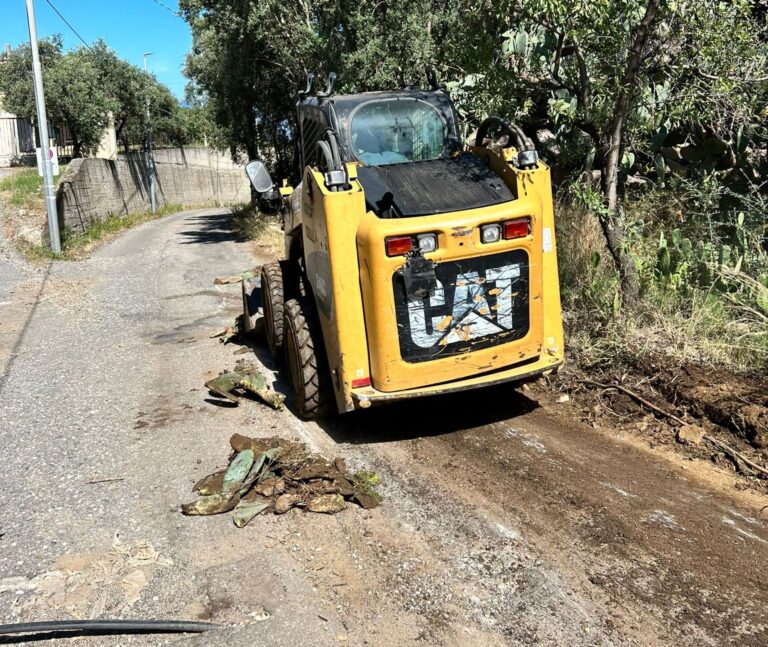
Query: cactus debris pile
<point x="275" y="475"/>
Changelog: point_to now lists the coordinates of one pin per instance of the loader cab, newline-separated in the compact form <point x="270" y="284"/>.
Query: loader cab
<point x="407" y="147"/>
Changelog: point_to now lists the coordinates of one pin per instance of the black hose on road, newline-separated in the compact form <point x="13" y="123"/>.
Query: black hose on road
<point x="96" y="627"/>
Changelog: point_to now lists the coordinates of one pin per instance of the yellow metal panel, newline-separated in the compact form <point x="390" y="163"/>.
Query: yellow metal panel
<point x="458" y="237"/>
<point x="545" y="365"/>
<point x="352" y="280"/>
<point x="539" y="183"/>
<point x="330" y="223"/>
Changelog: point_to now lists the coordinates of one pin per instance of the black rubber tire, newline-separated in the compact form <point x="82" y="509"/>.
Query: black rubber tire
<point x="307" y="369"/>
<point x="279" y="282"/>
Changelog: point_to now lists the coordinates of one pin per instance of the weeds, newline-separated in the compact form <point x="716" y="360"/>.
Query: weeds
<point x="73" y="247"/>
<point x="25" y="187"/>
<point x="704" y="289"/>
<point x="263" y="230"/>
<point x="111" y="225"/>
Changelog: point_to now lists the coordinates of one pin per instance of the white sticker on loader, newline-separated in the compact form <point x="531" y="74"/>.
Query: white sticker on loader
<point x="547" y="239"/>
<point x="470" y="316"/>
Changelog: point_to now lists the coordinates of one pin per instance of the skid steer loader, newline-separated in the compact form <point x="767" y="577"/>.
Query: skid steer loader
<point x="414" y="265"/>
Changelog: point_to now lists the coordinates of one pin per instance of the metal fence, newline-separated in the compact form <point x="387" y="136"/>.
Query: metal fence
<point x="18" y="141"/>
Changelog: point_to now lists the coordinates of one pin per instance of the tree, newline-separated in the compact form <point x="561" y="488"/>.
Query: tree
<point x="245" y="59"/>
<point x="250" y="58"/>
<point x="16" y="75"/>
<point x="130" y="87"/>
<point x="72" y="90"/>
<point x="624" y="78"/>
<point x="127" y="85"/>
<point x="198" y="121"/>
<point x="86" y="87"/>
<point x="620" y="82"/>
<point x="74" y="96"/>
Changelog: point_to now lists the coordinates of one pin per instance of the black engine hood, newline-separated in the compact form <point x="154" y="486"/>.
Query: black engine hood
<point x="434" y="186"/>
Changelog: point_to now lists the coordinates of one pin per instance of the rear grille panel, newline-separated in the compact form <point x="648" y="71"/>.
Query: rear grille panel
<point x="479" y="302"/>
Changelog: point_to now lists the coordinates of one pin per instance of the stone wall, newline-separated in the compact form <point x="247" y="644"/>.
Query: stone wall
<point x="92" y="189"/>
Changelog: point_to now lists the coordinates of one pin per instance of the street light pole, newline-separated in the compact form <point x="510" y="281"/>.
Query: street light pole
<point x="150" y="159"/>
<point x="42" y="126"/>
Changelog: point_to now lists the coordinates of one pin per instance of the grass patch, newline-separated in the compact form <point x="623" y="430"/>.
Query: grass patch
<point x="25" y="188"/>
<point x="703" y="328"/>
<point x="99" y="232"/>
<point x="265" y="231"/>
<point x="109" y="227"/>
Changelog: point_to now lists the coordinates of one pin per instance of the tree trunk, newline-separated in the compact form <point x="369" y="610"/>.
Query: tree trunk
<point x="119" y="135"/>
<point x="610" y="220"/>
<point x="76" y="148"/>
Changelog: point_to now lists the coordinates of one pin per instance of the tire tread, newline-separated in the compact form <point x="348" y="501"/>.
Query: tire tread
<point x="312" y="393"/>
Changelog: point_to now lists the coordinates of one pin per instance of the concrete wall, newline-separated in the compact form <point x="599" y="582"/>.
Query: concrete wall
<point x="92" y="189"/>
<point x="195" y="156"/>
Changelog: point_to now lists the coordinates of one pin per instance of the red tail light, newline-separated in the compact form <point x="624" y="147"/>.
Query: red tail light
<point x="399" y="245"/>
<point x="519" y="228"/>
<point x="361" y="382"/>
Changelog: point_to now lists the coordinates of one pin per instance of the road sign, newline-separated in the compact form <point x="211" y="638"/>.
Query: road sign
<point x="54" y="157"/>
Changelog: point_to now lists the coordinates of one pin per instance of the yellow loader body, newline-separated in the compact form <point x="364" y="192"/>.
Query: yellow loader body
<point x="381" y="346"/>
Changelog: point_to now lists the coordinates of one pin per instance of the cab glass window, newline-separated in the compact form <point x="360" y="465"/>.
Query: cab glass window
<point x="393" y="131"/>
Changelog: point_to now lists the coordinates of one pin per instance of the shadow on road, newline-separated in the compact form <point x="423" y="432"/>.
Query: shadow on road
<point x="210" y="228"/>
<point x="428" y="416"/>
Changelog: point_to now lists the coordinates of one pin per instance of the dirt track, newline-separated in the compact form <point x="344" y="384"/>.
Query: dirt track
<point x="624" y="545"/>
<point x="504" y="522"/>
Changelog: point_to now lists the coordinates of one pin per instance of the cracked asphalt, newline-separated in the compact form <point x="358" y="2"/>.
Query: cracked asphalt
<point x="503" y="521"/>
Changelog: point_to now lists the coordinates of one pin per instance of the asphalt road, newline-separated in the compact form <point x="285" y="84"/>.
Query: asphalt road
<point x="503" y="523"/>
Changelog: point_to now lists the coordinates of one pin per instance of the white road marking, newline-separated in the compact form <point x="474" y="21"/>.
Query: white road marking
<point x="618" y="490"/>
<point x="665" y="519"/>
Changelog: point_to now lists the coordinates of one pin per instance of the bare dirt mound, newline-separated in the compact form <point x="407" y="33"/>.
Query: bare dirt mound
<point x="739" y="404"/>
<point x="692" y="411"/>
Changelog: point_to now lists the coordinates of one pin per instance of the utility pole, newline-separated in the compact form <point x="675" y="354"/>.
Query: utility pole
<point x="42" y="126"/>
<point x="150" y="159"/>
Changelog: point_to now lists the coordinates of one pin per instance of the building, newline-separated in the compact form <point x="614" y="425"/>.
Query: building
<point x="17" y="139"/>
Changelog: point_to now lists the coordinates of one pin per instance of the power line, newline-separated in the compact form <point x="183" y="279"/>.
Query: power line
<point x="68" y="24"/>
<point x="167" y="8"/>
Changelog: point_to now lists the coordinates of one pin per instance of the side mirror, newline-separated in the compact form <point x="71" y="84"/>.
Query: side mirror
<point x="259" y="176"/>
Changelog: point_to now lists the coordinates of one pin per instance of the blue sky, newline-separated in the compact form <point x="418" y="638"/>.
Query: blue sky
<point x="130" y="27"/>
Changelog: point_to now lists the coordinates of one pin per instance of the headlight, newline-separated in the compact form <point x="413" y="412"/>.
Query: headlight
<point x="427" y="243"/>
<point x="490" y="233"/>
